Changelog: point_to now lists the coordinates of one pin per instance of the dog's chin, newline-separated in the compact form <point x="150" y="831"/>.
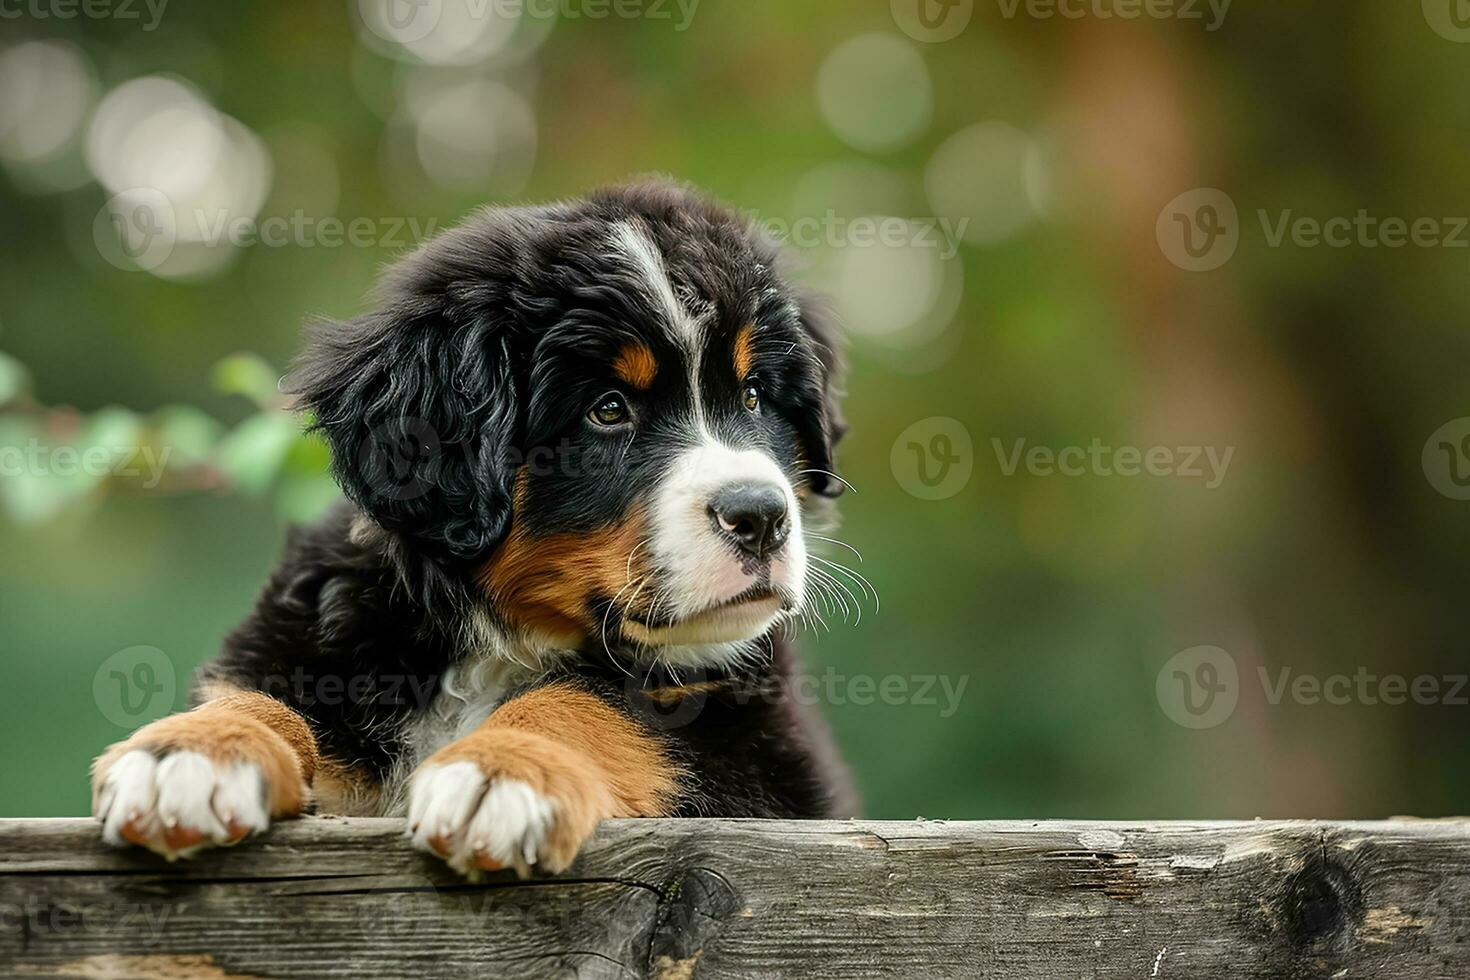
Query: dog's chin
<point x="730" y="623"/>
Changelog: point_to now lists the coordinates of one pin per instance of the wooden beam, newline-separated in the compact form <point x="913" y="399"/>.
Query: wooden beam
<point x="332" y="897"/>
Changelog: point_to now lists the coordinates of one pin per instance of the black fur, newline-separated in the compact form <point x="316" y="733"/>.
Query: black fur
<point x="479" y="363"/>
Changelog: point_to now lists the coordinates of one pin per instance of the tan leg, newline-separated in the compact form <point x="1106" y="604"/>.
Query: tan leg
<point x="529" y="785"/>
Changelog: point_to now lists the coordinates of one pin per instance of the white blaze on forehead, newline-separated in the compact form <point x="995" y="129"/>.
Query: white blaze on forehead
<point x="687" y="330"/>
<point x="634" y="241"/>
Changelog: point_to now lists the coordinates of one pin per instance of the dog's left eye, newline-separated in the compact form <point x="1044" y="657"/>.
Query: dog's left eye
<point x="751" y="398"/>
<point x="611" y="409"/>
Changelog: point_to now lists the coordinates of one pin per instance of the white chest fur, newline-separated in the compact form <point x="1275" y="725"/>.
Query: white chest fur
<point x="466" y="695"/>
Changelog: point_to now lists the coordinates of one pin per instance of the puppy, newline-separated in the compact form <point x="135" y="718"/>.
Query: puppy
<point x="581" y="447"/>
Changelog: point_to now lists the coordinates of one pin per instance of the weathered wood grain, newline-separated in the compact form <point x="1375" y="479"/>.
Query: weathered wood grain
<point x="727" y="898"/>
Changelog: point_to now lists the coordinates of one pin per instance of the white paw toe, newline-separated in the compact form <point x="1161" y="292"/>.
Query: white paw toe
<point x="129" y="797"/>
<point x="180" y="803"/>
<point x="456" y="812"/>
<point x="511" y="824"/>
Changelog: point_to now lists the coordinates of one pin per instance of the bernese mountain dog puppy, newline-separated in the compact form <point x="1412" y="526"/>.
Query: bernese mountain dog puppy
<point x="582" y="448"/>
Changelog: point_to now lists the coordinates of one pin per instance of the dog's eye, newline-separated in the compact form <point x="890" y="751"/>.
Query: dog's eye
<point x="609" y="410"/>
<point x="751" y="398"/>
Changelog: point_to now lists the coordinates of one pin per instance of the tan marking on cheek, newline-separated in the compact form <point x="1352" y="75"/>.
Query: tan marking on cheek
<point x="636" y="365"/>
<point x="543" y="583"/>
<point x="744" y="351"/>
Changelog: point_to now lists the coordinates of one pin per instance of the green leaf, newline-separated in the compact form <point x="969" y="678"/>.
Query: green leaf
<point x="309" y="457"/>
<point x="187" y="434"/>
<point x="31" y="498"/>
<point x="254" y="451"/>
<point x="305" y="498"/>
<point x="15" y="380"/>
<point x="249" y="375"/>
<point x="115" y="429"/>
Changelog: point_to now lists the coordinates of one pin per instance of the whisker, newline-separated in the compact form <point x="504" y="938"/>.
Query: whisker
<point x="840" y="589"/>
<point x="867" y="587"/>
<point x="644" y="542"/>
<point x="821" y="537"/>
<point x="832" y="475"/>
<point x="828" y="589"/>
<point x="824" y="590"/>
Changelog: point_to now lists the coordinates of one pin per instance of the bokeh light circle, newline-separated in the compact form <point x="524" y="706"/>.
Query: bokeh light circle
<point x="874" y="92"/>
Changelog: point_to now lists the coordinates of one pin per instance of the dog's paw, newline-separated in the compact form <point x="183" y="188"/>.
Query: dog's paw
<point x="506" y="800"/>
<point x="204" y="778"/>
<point x="179" y="803"/>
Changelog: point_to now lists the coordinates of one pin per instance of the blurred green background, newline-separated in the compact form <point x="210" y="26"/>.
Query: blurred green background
<point x="1044" y="303"/>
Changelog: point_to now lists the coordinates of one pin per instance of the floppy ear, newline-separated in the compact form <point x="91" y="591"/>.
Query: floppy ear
<point x="422" y="418"/>
<point x="822" y="424"/>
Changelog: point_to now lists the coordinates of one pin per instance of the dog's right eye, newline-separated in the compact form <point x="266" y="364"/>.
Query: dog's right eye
<point x="610" y="410"/>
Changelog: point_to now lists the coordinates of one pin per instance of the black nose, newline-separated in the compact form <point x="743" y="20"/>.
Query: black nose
<point x="753" y="516"/>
